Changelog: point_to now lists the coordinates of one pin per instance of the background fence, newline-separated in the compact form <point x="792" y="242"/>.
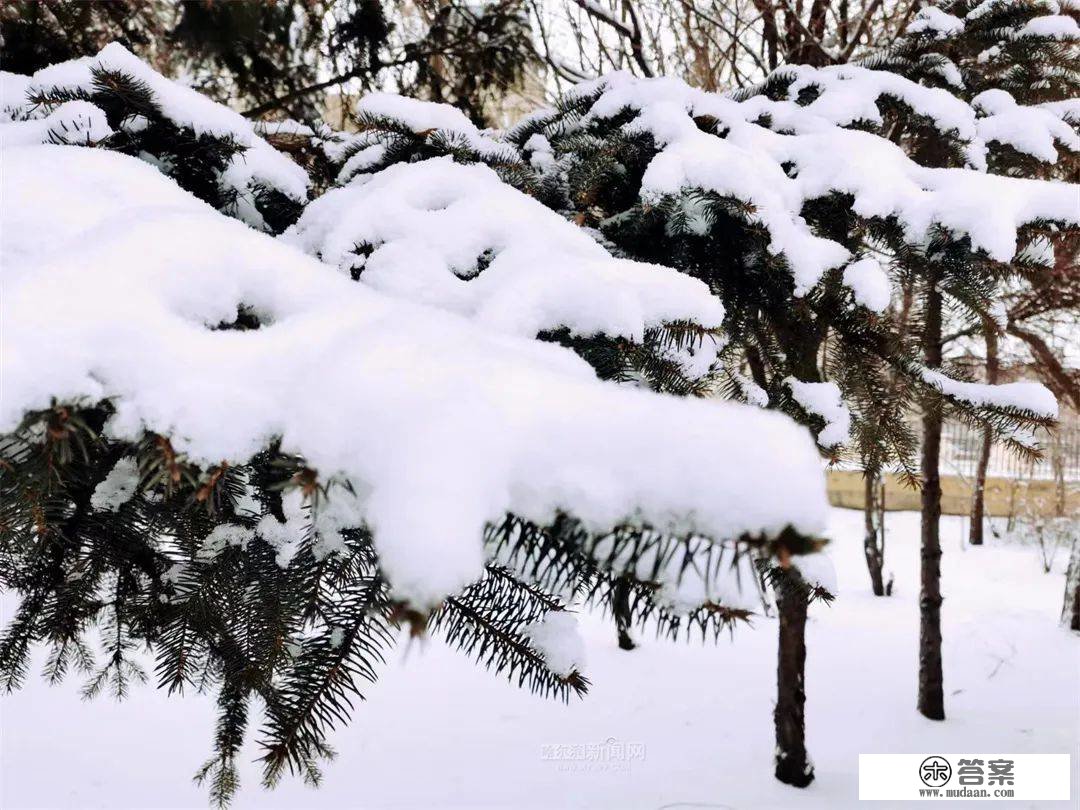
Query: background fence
<point x="1014" y="486"/>
<point x="961" y="445"/>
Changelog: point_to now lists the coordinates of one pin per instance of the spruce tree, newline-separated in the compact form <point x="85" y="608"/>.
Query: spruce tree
<point x="696" y="181"/>
<point x="1015" y="61"/>
<point x="792" y="211"/>
<point x="184" y="482"/>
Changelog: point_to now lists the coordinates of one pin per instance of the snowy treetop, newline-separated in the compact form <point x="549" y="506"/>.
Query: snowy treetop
<point x="117" y="284"/>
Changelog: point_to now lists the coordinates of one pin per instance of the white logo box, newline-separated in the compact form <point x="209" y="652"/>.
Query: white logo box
<point x="1036" y="777"/>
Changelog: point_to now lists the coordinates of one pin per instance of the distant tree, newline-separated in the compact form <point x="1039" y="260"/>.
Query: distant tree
<point x="284" y="58"/>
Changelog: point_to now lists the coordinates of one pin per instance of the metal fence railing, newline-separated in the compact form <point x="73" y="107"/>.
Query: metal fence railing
<point x="961" y="445"/>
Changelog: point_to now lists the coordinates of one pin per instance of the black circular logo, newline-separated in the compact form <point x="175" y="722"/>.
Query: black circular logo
<point x="935" y="771"/>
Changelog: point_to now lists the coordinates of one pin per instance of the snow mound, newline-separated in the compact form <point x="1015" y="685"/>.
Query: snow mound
<point x="456" y="237"/>
<point x="181" y="105"/>
<point x="869" y="283"/>
<point x="115" y="282"/>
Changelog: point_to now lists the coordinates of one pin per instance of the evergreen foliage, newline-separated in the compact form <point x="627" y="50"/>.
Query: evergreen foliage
<point x="233" y="578"/>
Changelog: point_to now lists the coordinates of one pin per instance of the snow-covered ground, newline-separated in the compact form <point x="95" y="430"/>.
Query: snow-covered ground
<point x="439" y="732"/>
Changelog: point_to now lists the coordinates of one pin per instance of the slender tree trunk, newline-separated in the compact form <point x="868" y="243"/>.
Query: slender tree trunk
<point x="620" y="605"/>
<point x="931" y="701"/>
<point x="875" y="559"/>
<point x="793" y="766"/>
<point x="792" y="762"/>
<point x="1070" y="608"/>
<point x="978" y="499"/>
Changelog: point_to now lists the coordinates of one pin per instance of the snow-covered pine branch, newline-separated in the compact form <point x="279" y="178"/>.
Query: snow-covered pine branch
<point x="304" y="453"/>
<point x="117" y="101"/>
<point x="438" y="425"/>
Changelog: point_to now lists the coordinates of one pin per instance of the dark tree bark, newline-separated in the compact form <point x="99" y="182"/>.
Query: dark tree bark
<point x="872" y="549"/>
<point x="1070" y="608"/>
<point x="792" y="762"/>
<point x="771" y="33"/>
<point x="978" y="499"/>
<point x="620" y="606"/>
<point x="931" y="701"/>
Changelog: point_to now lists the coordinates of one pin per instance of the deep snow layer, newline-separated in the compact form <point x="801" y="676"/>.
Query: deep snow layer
<point x="439" y="732"/>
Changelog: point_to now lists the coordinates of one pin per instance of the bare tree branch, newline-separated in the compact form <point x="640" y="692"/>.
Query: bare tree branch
<point x="632" y="32"/>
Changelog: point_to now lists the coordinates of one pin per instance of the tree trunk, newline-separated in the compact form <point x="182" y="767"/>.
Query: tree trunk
<point x="1070" y="608"/>
<point x="620" y="606"/>
<point x="875" y="558"/>
<point x="931" y="701"/>
<point x="978" y="500"/>
<point x="792" y="763"/>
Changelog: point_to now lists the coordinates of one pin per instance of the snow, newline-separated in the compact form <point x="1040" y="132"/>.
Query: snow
<point x="262" y="165"/>
<point x="117" y="487"/>
<point x="1033" y="130"/>
<point x="823" y="399"/>
<point x="1067" y="110"/>
<point x="360" y="161"/>
<point x="748" y="161"/>
<point x="850" y="93"/>
<point x="181" y="105"/>
<point x="933" y="20"/>
<point x="439" y="425"/>
<point x="335" y="144"/>
<point x="869" y="283"/>
<point x="424" y="116"/>
<point x="558" y="641"/>
<point x="542" y="157"/>
<point x="1054" y="26"/>
<point x="948" y="70"/>
<point x="285" y="127"/>
<point x="754" y="393"/>
<point x="13" y="87"/>
<point x="223" y="535"/>
<point x="258" y="164"/>
<point x="431" y="222"/>
<point x="285" y="536"/>
<point x="73" y="122"/>
<point x="699" y="715"/>
<point x="818" y="571"/>
<point x="1028" y="396"/>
